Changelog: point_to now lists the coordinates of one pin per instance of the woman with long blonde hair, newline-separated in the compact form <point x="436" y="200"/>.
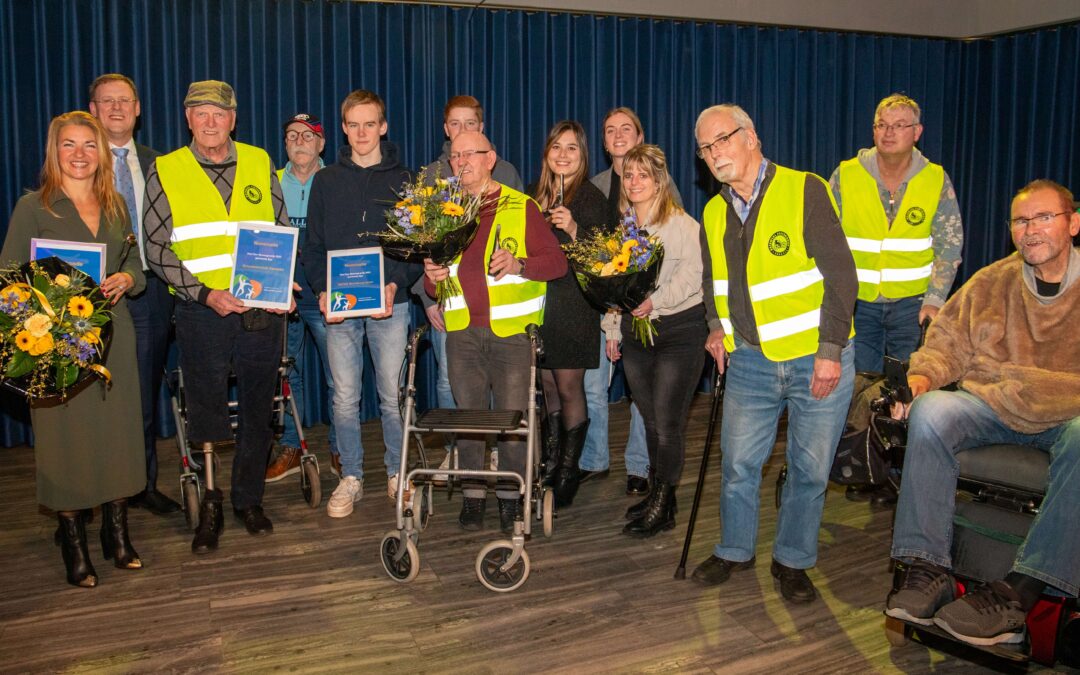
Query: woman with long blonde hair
<point x="89" y="449"/>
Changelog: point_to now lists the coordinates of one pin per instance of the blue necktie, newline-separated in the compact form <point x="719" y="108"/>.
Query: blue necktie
<point x="125" y="185"/>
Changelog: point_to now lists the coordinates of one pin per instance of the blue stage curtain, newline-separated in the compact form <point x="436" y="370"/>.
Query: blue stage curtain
<point x="997" y="112"/>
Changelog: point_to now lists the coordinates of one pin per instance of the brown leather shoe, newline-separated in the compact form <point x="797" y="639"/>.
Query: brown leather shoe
<point x="286" y="464"/>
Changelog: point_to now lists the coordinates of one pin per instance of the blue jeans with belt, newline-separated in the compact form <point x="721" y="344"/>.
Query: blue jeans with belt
<point x="943" y="423"/>
<point x="757" y="392"/>
<point x="885" y="328"/>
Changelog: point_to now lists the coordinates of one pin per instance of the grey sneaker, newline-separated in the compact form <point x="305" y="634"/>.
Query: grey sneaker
<point x="926" y="588"/>
<point x="988" y="615"/>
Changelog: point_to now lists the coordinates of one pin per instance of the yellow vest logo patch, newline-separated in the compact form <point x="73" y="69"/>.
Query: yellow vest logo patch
<point x="253" y="194"/>
<point x="915" y="215"/>
<point x="779" y="243"/>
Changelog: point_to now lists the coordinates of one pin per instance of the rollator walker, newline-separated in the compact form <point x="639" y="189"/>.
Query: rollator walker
<point x="502" y="565"/>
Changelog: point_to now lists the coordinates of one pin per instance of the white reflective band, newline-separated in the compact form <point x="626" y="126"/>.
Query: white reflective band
<point x="909" y="245"/>
<point x="508" y="279"/>
<point x="784" y="285"/>
<point x="786" y="327"/>
<point x="864" y="245"/>
<point x="517" y="309"/>
<point x="868" y="276"/>
<point x="453" y="269"/>
<point x="910" y="274"/>
<point x="719" y="287"/>
<point x="454" y="302"/>
<point x="215" y="228"/>
<point x="213" y="262"/>
<point x="728" y="328"/>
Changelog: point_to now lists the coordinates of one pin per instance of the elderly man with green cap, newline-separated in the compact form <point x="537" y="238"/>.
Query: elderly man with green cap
<point x="195" y="196"/>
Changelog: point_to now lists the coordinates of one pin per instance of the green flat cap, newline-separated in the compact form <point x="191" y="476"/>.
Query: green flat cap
<point x="210" y="92"/>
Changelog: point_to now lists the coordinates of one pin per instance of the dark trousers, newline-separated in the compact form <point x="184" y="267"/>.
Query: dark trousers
<point x="151" y="312"/>
<point x="212" y="347"/>
<point x="663" y="377"/>
<point x="485" y="370"/>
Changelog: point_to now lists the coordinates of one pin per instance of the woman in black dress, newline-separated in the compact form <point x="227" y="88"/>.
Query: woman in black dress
<point x="575" y="208"/>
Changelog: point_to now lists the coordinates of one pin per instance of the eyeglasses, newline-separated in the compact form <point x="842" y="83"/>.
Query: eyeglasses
<point x="110" y="102"/>
<point x="897" y="127"/>
<point x="466" y="155"/>
<point x="706" y="150"/>
<point x="1040" y="219"/>
<point x="293" y="134"/>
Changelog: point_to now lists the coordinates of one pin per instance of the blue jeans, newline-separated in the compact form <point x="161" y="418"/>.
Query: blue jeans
<point x="443" y="394"/>
<point x="757" y="391"/>
<point x="595" y="456"/>
<point x="345" y="346"/>
<point x="943" y="423"/>
<point x="310" y="317"/>
<point x="885" y="328"/>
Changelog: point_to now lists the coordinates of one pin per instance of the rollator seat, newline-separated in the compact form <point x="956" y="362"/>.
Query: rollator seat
<point x="455" y="420"/>
<point x="1011" y="466"/>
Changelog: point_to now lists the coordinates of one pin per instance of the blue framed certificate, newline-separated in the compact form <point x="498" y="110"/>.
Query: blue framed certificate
<point x="87" y="258"/>
<point x="354" y="282"/>
<point x="263" y="265"/>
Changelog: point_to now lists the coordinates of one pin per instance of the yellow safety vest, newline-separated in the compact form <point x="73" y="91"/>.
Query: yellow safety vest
<point x="786" y="288"/>
<point x="514" y="301"/>
<point x="204" y="233"/>
<point x="895" y="261"/>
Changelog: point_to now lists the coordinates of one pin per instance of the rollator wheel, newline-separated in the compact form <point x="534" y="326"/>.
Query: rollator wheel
<point x="897" y="633"/>
<point x="311" y="484"/>
<point x="190" y="494"/>
<point x="405" y="569"/>
<point x="423" y="512"/>
<point x="491" y="558"/>
<point x="547" y="510"/>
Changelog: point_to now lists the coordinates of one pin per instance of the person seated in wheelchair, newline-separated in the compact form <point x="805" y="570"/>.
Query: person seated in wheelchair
<point x="1008" y="337"/>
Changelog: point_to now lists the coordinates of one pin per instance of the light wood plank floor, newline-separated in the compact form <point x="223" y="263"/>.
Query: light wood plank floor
<point x="314" y="596"/>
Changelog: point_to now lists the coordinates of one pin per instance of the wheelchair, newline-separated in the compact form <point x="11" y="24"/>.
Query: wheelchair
<point x="501" y="565"/>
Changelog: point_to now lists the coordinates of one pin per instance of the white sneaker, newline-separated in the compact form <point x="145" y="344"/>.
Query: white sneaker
<point x="392" y="486"/>
<point x="348" y="492"/>
<point x="494" y="459"/>
<point x="442" y="478"/>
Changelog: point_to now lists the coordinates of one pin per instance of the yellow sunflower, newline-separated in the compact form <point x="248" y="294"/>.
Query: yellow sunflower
<point x="24" y="340"/>
<point x="43" y="345"/>
<point x="92" y="336"/>
<point x="621" y="262"/>
<point x="80" y="306"/>
<point x="452" y="209"/>
<point x="629" y="245"/>
<point x="15" y="293"/>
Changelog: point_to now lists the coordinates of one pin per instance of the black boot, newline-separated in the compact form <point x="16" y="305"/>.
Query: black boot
<point x="638" y="509"/>
<point x="551" y="433"/>
<point x="87" y="516"/>
<point x="569" y="476"/>
<point x="80" y="572"/>
<point x="115" y="542"/>
<point x="659" y="516"/>
<point x="211" y="523"/>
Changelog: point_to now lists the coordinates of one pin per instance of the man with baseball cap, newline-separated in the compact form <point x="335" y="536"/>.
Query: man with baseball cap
<point x="304" y="142"/>
<point x="194" y="197"/>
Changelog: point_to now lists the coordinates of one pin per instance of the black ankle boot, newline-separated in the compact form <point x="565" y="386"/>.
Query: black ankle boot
<point x="551" y="433"/>
<point x="87" y="516"/>
<point x="80" y="572"/>
<point x="569" y="476"/>
<point x="115" y="542"/>
<point x="638" y="509"/>
<point x="211" y="523"/>
<point x="658" y="516"/>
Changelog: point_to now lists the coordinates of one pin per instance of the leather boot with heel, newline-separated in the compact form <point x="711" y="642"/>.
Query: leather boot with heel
<point x="115" y="542"/>
<point x="551" y="432"/>
<point x="80" y="572"/>
<point x="568" y="477"/>
<point x="658" y="516"/>
<point x="211" y="523"/>
<point x="638" y="509"/>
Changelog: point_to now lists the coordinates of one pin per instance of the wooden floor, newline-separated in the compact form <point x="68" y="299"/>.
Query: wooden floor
<point x="314" y="596"/>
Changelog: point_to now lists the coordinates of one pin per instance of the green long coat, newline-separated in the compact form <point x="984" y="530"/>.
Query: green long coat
<point x="89" y="450"/>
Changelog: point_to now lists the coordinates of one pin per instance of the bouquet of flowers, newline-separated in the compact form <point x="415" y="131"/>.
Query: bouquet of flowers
<point x="619" y="269"/>
<point x="436" y="222"/>
<point x="54" y="329"/>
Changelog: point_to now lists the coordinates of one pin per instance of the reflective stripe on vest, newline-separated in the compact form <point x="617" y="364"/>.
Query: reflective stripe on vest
<point x="204" y="233"/>
<point x="514" y="302"/>
<point x="786" y="287"/>
<point x="891" y="261"/>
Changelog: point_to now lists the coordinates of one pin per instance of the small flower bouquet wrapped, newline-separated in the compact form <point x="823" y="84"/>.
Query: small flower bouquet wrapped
<point x="619" y="270"/>
<point x="55" y="330"/>
<point x="436" y="222"/>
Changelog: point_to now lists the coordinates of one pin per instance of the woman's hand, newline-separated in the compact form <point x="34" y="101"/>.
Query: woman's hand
<point x="561" y="218"/>
<point x="613" y="350"/>
<point x="644" y="309"/>
<point x="116" y="285"/>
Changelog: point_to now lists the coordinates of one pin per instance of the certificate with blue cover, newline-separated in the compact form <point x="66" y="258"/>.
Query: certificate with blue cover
<point x="263" y="264"/>
<point x="87" y="258"/>
<point x="354" y="282"/>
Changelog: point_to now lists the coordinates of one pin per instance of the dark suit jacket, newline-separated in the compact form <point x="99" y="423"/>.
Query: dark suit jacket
<point x="146" y="158"/>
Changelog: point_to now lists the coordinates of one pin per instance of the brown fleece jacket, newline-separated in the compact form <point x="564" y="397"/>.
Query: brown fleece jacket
<point x="1015" y="350"/>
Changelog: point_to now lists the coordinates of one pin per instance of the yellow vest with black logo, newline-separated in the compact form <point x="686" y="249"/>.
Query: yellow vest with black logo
<point x="204" y="233"/>
<point x="786" y="288"/>
<point x="514" y="301"/>
<point x="894" y="262"/>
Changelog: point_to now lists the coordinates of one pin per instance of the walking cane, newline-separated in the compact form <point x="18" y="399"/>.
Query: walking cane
<point x="717" y="397"/>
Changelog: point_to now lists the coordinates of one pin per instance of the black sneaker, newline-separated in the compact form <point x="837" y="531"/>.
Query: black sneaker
<point x="508" y="513"/>
<point x="472" y="513"/>
<point x="717" y="570"/>
<point x="926" y="588"/>
<point x="988" y="615"/>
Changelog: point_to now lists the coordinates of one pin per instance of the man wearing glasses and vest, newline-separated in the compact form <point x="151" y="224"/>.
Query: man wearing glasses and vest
<point x="194" y="198"/>
<point x="783" y="285"/>
<point x="501" y="292"/>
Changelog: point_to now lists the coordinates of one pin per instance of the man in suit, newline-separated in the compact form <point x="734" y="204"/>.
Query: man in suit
<point x="115" y="102"/>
